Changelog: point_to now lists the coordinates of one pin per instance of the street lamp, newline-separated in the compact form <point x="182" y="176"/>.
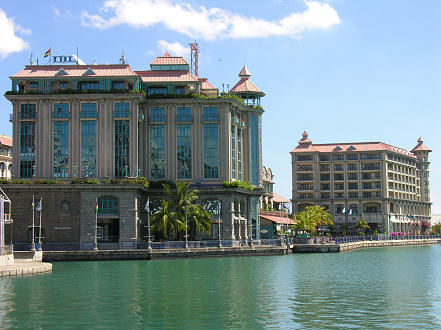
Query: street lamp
<point x="219" y="226"/>
<point x="186" y="239"/>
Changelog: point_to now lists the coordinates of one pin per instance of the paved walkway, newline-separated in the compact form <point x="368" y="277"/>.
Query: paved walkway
<point x="21" y="267"/>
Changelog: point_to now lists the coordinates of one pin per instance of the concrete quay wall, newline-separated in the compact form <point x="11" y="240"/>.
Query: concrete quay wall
<point x="370" y="244"/>
<point x="102" y="255"/>
<point x="25" y="268"/>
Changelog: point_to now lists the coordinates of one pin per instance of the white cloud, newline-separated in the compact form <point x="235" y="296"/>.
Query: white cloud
<point x="175" y="48"/>
<point x="63" y="14"/>
<point x="209" y="23"/>
<point x="9" y="42"/>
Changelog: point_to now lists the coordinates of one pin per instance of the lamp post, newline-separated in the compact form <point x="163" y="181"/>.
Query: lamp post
<point x="149" y="240"/>
<point x="186" y="239"/>
<point x="33" y="223"/>
<point x="219" y="226"/>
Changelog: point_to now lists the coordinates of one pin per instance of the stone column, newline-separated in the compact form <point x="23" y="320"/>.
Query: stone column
<point x="228" y="218"/>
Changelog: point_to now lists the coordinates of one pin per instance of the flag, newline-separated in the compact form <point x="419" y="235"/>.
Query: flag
<point x="96" y="206"/>
<point x="344" y="210"/>
<point x="285" y="208"/>
<point x="33" y="205"/>
<point x="48" y="53"/>
<point x="147" y="205"/>
<point x="39" y="206"/>
<point x="350" y="212"/>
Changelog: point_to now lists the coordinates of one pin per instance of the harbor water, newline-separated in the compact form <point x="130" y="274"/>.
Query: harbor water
<point x="395" y="287"/>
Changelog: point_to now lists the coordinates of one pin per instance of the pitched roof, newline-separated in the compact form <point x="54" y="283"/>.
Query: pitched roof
<point x="206" y="84"/>
<point x="349" y="146"/>
<point x="280" y="199"/>
<point x="245" y="86"/>
<point x="166" y="76"/>
<point x="420" y="146"/>
<point x="101" y="70"/>
<point x="6" y="140"/>
<point x="277" y="219"/>
<point x="166" y="59"/>
<point x="244" y="72"/>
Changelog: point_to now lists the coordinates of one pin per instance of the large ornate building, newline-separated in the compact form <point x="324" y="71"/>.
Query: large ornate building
<point x="5" y="156"/>
<point x="385" y="185"/>
<point x="108" y="121"/>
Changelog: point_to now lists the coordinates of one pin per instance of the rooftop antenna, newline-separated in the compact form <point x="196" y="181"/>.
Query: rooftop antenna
<point x="31" y="61"/>
<point x="122" y="60"/>
<point x="194" y="58"/>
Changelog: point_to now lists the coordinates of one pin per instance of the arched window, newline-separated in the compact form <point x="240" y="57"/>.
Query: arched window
<point x="108" y="205"/>
<point x="2" y="169"/>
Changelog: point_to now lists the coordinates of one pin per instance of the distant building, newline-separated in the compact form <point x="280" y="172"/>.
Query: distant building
<point x="268" y="184"/>
<point x="93" y="121"/>
<point x="5" y="156"/>
<point x="385" y="185"/>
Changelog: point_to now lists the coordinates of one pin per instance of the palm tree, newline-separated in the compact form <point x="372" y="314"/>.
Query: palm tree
<point x="362" y="225"/>
<point x="165" y="222"/>
<point x="182" y="202"/>
<point x="311" y="218"/>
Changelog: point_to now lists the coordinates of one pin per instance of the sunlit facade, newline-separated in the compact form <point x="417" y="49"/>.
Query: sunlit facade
<point x="108" y="122"/>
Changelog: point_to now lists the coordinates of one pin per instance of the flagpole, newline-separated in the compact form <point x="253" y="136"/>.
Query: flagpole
<point x="219" y="225"/>
<point x="39" y="230"/>
<point x="95" y="243"/>
<point x="33" y="223"/>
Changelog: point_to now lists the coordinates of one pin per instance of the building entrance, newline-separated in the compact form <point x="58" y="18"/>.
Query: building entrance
<point x="108" y="231"/>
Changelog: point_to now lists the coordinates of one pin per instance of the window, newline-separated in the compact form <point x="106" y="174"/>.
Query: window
<point x="233" y="152"/>
<point x="256" y="147"/>
<point x="157" y="151"/>
<point x="27" y="149"/>
<point x="108" y="205"/>
<point x="339" y="186"/>
<point x="160" y="90"/>
<point x="325" y="158"/>
<point x="89" y="85"/>
<point x="352" y="176"/>
<point x="122" y="148"/>
<point x="338" y="177"/>
<point x="352" y="194"/>
<point x="304" y="177"/>
<point x="239" y="155"/>
<point x="118" y="85"/>
<point x="33" y="84"/>
<point x="180" y="90"/>
<point x="122" y="110"/>
<point x="211" y="150"/>
<point x="352" y="167"/>
<point x="324" y="195"/>
<point x="157" y="115"/>
<point x="352" y="185"/>
<point x="183" y="115"/>
<point x="324" y="186"/>
<point x="88" y="148"/>
<point x="338" y="157"/>
<point x="210" y="114"/>
<point x="88" y="110"/>
<point x="325" y="177"/>
<point x="325" y="168"/>
<point x="65" y="206"/>
<point x="62" y="84"/>
<point x="303" y="158"/>
<point x="338" y="167"/>
<point x="372" y="166"/>
<point x="61" y="111"/>
<point x="183" y="151"/>
<point x="352" y="157"/>
<point x="61" y="149"/>
<point x="27" y="111"/>
<point x="304" y="168"/>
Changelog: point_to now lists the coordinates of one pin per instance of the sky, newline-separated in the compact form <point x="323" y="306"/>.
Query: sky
<point x="343" y="70"/>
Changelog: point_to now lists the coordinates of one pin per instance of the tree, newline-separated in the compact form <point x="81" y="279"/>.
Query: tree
<point x="436" y="229"/>
<point x="313" y="217"/>
<point x="181" y="203"/>
<point x="362" y="225"/>
<point x="165" y="222"/>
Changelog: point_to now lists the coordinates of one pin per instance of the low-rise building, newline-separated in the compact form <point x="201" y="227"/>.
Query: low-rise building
<point x="5" y="156"/>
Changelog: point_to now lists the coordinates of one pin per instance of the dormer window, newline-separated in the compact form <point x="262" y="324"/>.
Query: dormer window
<point x="89" y="71"/>
<point x="62" y="84"/>
<point x="61" y="72"/>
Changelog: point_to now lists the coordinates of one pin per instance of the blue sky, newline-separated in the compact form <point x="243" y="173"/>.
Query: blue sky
<point x="365" y="70"/>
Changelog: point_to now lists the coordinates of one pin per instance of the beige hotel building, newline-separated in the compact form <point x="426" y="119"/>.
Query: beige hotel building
<point x="385" y="185"/>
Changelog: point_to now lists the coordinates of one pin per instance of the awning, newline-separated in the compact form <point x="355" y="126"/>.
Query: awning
<point x="278" y="220"/>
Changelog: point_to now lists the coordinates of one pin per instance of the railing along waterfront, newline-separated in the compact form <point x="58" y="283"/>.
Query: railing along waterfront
<point x="6" y="250"/>
<point x="381" y="237"/>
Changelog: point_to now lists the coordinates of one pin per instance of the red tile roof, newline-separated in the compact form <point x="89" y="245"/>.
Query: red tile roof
<point x="166" y="76"/>
<point x="279" y="220"/>
<point x="6" y="140"/>
<point x="244" y="72"/>
<point x="280" y="199"/>
<point x="166" y="59"/>
<point x="245" y="86"/>
<point x="50" y="71"/>
<point x="206" y="84"/>
<point x="420" y="146"/>
<point x="354" y="146"/>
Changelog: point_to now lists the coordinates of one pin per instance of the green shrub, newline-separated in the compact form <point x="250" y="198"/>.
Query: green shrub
<point x="21" y="181"/>
<point x="158" y="184"/>
<point x="4" y="181"/>
<point x="238" y="184"/>
<point x="84" y="181"/>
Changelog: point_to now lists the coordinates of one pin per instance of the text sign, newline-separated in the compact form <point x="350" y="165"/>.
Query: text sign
<point x="63" y="59"/>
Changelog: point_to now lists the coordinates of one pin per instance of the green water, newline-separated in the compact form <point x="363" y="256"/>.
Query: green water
<point x="371" y="288"/>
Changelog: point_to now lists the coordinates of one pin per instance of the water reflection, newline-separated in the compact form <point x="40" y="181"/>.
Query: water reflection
<point x="393" y="287"/>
